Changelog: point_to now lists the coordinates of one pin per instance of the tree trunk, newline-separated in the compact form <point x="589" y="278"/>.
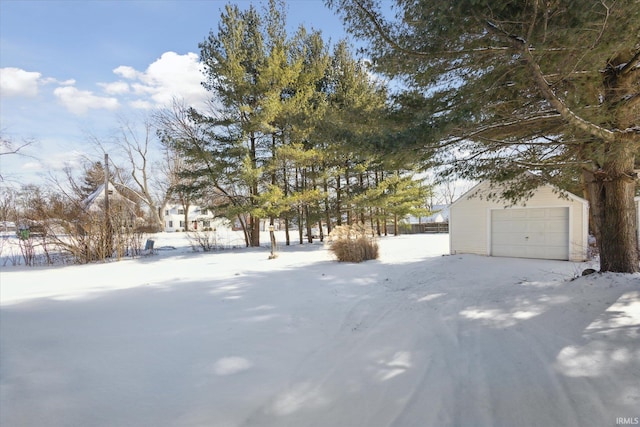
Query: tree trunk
<point x="300" y="223"/>
<point x="306" y="206"/>
<point x="299" y="207"/>
<point x="314" y="185"/>
<point x="285" y="180"/>
<point x="338" y="200"/>
<point x="325" y="187"/>
<point x="395" y="225"/>
<point x="255" y="230"/>
<point x="377" y="210"/>
<point x="592" y="188"/>
<point x="308" y="223"/>
<point x="186" y="206"/>
<point x="327" y="209"/>
<point x="254" y="221"/>
<point x="371" y="224"/>
<point x="286" y="230"/>
<point x="347" y="183"/>
<point x="160" y="216"/>
<point x="618" y="240"/>
<point x="245" y="231"/>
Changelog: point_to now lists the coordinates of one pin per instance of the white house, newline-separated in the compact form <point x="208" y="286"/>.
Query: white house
<point x="120" y="207"/>
<point x="95" y="201"/>
<point x="546" y="226"/>
<point x="199" y="218"/>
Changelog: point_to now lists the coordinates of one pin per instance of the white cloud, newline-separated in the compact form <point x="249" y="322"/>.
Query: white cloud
<point x="115" y="88"/>
<point x="80" y="101"/>
<point x="126" y="72"/>
<point x="231" y="365"/>
<point x="172" y="76"/>
<point x="69" y="82"/>
<point x="143" y="89"/>
<point x="67" y="159"/>
<point x="55" y="161"/>
<point x="32" y="166"/>
<point x="18" y="82"/>
<point x="141" y="104"/>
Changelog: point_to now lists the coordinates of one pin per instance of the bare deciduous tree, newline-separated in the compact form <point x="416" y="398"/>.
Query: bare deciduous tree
<point x="138" y="146"/>
<point x="8" y="147"/>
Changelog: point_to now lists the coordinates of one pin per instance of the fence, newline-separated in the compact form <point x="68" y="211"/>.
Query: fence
<point x="428" y="227"/>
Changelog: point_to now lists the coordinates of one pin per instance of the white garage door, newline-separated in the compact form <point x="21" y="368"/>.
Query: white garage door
<point x="530" y="233"/>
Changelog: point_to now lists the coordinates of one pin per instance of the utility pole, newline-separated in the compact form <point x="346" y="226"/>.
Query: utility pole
<point x="108" y="227"/>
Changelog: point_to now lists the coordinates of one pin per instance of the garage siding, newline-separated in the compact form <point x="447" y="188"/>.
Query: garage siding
<point x="468" y="227"/>
<point x="470" y="220"/>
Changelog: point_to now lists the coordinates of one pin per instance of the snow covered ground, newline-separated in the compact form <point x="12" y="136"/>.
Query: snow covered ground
<point x="233" y="339"/>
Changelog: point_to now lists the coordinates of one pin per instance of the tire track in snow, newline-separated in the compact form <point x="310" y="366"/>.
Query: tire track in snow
<point x="350" y="359"/>
<point x="441" y="351"/>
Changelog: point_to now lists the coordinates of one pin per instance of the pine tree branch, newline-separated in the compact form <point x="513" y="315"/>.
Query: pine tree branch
<point x="384" y="33"/>
<point x="543" y="85"/>
<point x="518" y="126"/>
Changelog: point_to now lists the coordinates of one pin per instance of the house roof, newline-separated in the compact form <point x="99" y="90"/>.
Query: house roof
<point x="98" y="194"/>
<point x="481" y="184"/>
<point x="441" y="211"/>
<point x="91" y="198"/>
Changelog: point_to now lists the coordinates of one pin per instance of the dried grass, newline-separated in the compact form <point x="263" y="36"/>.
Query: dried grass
<point x="353" y="243"/>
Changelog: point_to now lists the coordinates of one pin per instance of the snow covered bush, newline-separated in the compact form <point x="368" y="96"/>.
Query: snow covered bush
<point x="352" y="243"/>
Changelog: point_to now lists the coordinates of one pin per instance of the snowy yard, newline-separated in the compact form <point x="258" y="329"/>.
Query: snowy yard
<point x="233" y="339"/>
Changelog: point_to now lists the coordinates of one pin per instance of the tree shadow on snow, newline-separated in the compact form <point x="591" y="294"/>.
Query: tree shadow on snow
<point x="439" y="341"/>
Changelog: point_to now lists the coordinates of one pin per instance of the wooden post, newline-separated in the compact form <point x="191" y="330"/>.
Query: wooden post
<point x="108" y="227"/>
<point x="272" y="236"/>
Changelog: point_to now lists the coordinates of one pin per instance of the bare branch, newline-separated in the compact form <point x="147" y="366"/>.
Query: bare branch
<point x="604" y="24"/>
<point x="8" y="147"/>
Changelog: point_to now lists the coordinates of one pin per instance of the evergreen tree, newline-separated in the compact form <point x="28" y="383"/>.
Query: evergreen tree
<point x="353" y="122"/>
<point x="293" y="129"/>
<point x="92" y="179"/>
<point x="501" y="87"/>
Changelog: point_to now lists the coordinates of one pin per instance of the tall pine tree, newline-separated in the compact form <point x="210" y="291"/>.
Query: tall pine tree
<point x="500" y="87"/>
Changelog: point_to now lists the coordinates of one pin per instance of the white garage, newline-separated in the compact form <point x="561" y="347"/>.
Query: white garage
<point x="547" y="226"/>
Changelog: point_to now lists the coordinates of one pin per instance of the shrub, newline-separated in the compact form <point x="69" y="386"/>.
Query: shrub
<point x="352" y="243"/>
<point x="203" y="239"/>
<point x="147" y="228"/>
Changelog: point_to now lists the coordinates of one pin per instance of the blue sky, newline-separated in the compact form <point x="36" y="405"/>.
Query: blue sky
<point x="71" y="70"/>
